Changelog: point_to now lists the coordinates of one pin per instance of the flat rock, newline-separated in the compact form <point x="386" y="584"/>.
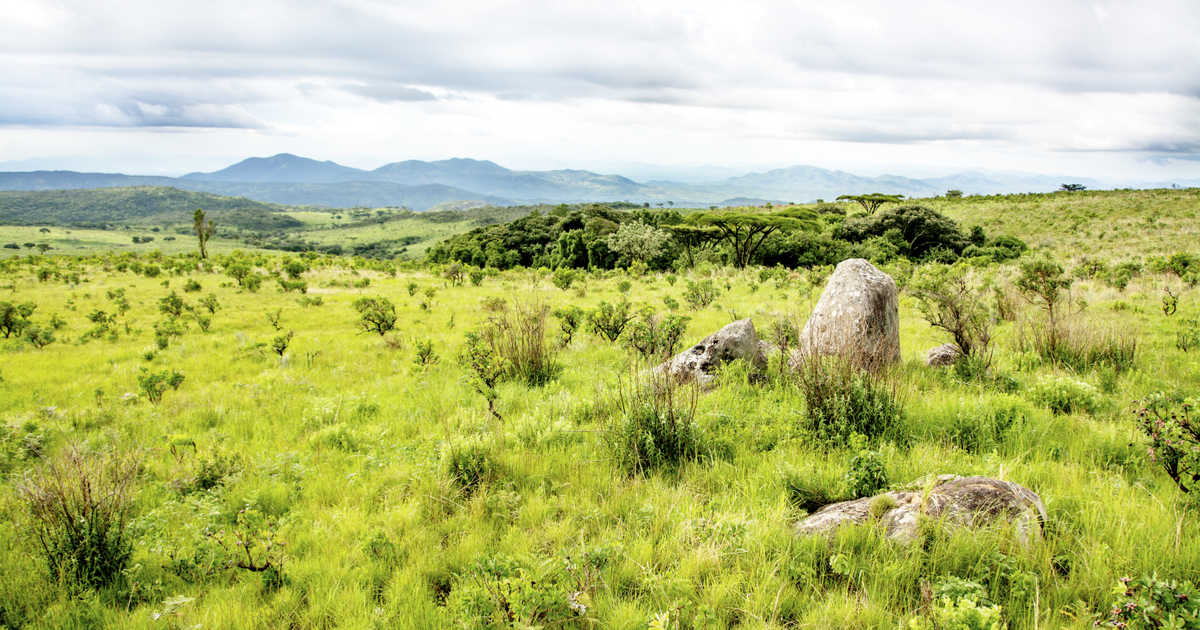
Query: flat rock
<point x="735" y="341"/>
<point x="945" y="355"/>
<point x="960" y="501"/>
<point x="857" y="317"/>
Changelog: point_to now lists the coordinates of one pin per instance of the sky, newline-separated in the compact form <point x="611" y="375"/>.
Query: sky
<point x="1107" y="89"/>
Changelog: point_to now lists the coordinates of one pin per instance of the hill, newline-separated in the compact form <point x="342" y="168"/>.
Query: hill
<point x="137" y="204"/>
<point x="284" y="167"/>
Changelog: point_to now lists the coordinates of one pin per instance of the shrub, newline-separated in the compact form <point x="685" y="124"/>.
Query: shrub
<point x="923" y="230"/>
<point x="656" y="338"/>
<point x="499" y="592"/>
<point x="952" y="298"/>
<point x="280" y="343"/>
<point x="1174" y="442"/>
<point x="700" y="294"/>
<point x="155" y="384"/>
<point x="477" y="276"/>
<point x="172" y="305"/>
<point x="1148" y="602"/>
<point x="518" y="338"/>
<point x="485" y="367"/>
<point x="866" y="474"/>
<point x="657" y="426"/>
<point x="1189" y="337"/>
<point x="425" y="353"/>
<point x="191" y="286"/>
<point x="210" y="302"/>
<point x="842" y="400"/>
<point x="38" y="337"/>
<point x="15" y="318"/>
<point x="563" y="277"/>
<point x="570" y="319"/>
<point x="610" y="320"/>
<point x="1042" y="283"/>
<point x="378" y="314"/>
<point x="1081" y="347"/>
<point x="1064" y="395"/>
<point x="80" y="503"/>
<point x="470" y="464"/>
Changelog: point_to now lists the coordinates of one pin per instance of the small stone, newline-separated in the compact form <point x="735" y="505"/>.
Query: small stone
<point x="945" y="355"/>
<point x="735" y="341"/>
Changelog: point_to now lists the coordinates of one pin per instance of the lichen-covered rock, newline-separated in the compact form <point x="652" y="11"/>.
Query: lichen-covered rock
<point x="735" y="341"/>
<point x="857" y="317"/>
<point x="960" y="501"/>
<point x="945" y="355"/>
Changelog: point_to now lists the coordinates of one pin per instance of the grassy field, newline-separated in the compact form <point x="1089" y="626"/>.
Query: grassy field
<point x="391" y="497"/>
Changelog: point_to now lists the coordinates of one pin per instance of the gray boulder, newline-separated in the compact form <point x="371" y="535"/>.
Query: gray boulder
<point x="735" y="341"/>
<point x="945" y="355"/>
<point x="960" y="501"/>
<point x="857" y="317"/>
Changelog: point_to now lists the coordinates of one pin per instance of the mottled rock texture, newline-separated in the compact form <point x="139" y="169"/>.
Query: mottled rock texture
<point x="735" y="341"/>
<point x="857" y="317"/>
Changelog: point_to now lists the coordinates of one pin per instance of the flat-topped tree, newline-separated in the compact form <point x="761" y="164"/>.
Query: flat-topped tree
<point x="746" y="231"/>
<point x="871" y="202"/>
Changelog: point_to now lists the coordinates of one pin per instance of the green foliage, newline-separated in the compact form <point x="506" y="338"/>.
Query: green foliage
<point x="637" y="241"/>
<point x="1064" y="395"/>
<point x="700" y="294"/>
<point x="377" y="314"/>
<point x="210" y="302"/>
<point x="954" y="299"/>
<point x="1148" y="603"/>
<point x="871" y="202"/>
<point x="656" y="338"/>
<point x="14" y="319"/>
<point x="471" y="464"/>
<point x="499" y="592"/>
<point x="485" y="368"/>
<point x="624" y="286"/>
<point x="923" y="231"/>
<point x="191" y="286"/>
<point x="155" y="384"/>
<point x="1188" y="338"/>
<point x="570" y="318"/>
<point x="744" y="232"/>
<point x="280" y="343"/>
<point x="79" y="504"/>
<point x="517" y="336"/>
<point x="657" y="426"/>
<point x="866" y="474"/>
<point x="425" y="354"/>
<point x="139" y="203"/>
<point x="172" y="305"/>
<point x="204" y="231"/>
<point x="842" y="400"/>
<point x="1173" y="441"/>
<point x="610" y="320"/>
<point x="38" y="337"/>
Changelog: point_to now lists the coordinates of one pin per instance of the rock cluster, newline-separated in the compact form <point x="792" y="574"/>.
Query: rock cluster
<point x="961" y="501"/>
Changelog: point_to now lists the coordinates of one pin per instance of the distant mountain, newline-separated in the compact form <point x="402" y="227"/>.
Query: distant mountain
<point x="284" y="167"/>
<point x="420" y="185"/>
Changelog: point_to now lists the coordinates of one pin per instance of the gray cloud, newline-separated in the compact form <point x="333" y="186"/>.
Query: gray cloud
<point x="388" y="93"/>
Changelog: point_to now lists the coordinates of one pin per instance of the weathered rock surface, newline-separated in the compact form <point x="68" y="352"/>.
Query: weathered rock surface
<point x="961" y="501"/>
<point x="735" y="341"/>
<point x="857" y="317"/>
<point x="945" y="355"/>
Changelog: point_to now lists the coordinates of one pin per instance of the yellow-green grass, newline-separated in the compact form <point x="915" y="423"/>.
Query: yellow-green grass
<point x="76" y="242"/>
<point x="715" y="535"/>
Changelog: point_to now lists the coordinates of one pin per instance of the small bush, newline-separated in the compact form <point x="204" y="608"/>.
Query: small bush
<point x="377" y="314"/>
<point x="842" y="400"/>
<point x="79" y="506"/>
<point x="570" y="318"/>
<point x="426" y="355"/>
<point x="470" y="465"/>
<point x="866" y="474"/>
<point x="1174" y="442"/>
<point x="1148" y="602"/>
<point x="155" y="384"/>
<point x="1064" y="395"/>
<point x="610" y="320"/>
<point x="657" y="426"/>
<point x="563" y="278"/>
<point x="518" y="338"/>
<point x="700" y="294"/>
<point x="191" y="286"/>
<point x="656" y="338"/>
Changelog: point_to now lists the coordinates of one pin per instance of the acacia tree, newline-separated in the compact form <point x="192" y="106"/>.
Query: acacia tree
<point x="204" y="231"/>
<point x="693" y="239"/>
<point x="871" y="202"/>
<point x="637" y="241"/>
<point x="744" y="232"/>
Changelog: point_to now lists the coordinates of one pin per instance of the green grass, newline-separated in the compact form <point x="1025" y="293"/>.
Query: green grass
<point x="342" y="442"/>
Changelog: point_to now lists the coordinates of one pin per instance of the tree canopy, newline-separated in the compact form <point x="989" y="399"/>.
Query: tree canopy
<point x="744" y="232"/>
<point x="871" y="202"/>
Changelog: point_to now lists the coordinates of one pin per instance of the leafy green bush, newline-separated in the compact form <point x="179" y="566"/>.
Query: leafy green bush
<point x="1174" y="442"/>
<point x="657" y="425"/>
<point x="700" y="294"/>
<point x="656" y="338"/>
<point x="471" y="464"/>
<point x="500" y="592"/>
<point x="154" y="384"/>
<point x="842" y="400"/>
<point x="866" y="474"/>
<point x="15" y="318"/>
<point x="80" y="504"/>
<point x="1150" y="603"/>
<point x="377" y="314"/>
<point x="570" y="318"/>
<point x="610" y="320"/>
<point x="1064" y="395"/>
<point x="517" y="335"/>
<point x="563" y="277"/>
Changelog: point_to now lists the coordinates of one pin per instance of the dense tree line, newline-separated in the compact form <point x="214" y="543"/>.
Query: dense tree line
<point x="599" y="236"/>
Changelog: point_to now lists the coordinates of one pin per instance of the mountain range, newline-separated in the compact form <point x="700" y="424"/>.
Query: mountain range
<point x="420" y="185"/>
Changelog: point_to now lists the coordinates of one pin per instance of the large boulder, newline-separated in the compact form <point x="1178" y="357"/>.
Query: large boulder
<point x="857" y="317"/>
<point x="945" y="355"/>
<point x="735" y="341"/>
<point x="961" y="501"/>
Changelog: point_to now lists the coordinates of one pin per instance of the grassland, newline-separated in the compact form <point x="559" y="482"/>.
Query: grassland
<point x="347" y="445"/>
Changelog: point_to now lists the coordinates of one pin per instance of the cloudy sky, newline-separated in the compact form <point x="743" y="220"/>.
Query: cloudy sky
<point x="1100" y="89"/>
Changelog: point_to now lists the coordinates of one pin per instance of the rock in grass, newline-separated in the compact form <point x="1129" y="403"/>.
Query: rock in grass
<point x="945" y="355"/>
<point x="857" y="317"/>
<point x="735" y="341"/>
<point x="960" y="501"/>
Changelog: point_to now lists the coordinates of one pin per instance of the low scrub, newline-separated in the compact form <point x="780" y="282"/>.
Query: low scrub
<point x="657" y="425"/>
<point x="843" y="400"/>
